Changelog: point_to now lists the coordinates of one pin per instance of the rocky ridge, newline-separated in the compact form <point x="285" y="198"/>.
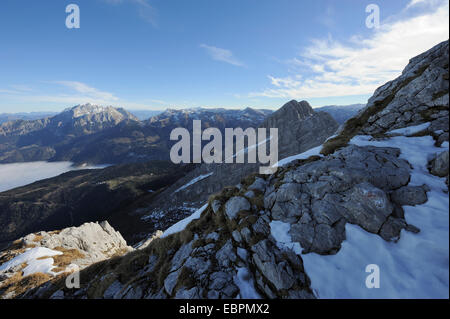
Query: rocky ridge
<point x="230" y="250"/>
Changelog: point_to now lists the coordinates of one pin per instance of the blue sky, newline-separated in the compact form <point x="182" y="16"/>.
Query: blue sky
<point x="154" y="54"/>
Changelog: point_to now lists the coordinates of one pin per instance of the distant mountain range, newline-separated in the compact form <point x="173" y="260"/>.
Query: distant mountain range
<point x="143" y="115"/>
<point x="6" y="117"/>
<point x="341" y="113"/>
<point x="105" y="135"/>
<point x="95" y="134"/>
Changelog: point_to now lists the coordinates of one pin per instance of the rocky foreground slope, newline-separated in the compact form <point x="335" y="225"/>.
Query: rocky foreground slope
<point x="375" y="193"/>
<point x="44" y="256"/>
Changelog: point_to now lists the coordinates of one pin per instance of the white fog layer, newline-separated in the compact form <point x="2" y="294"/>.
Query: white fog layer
<point x="20" y="174"/>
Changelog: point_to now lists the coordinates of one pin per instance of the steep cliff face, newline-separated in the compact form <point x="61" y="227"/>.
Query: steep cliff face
<point x="311" y="229"/>
<point x="300" y="127"/>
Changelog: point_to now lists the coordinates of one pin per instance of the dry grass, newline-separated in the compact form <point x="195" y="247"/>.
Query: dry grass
<point x="37" y="238"/>
<point x="62" y="261"/>
<point x="18" y="285"/>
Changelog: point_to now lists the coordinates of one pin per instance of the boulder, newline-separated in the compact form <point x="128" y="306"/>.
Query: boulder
<point x="236" y="204"/>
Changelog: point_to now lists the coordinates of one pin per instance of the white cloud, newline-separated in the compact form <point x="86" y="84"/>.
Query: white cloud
<point x="67" y="93"/>
<point x="222" y="55"/>
<point x="358" y="67"/>
<point x="87" y="91"/>
<point x="146" y="11"/>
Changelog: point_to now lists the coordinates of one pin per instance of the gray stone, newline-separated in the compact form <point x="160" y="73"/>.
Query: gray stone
<point x="181" y="255"/>
<point x="439" y="165"/>
<point x="325" y="212"/>
<point x="171" y="281"/>
<point x="133" y="293"/>
<point x="198" y="265"/>
<point x="234" y="205"/>
<point x="287" y="212"/>
<point x="410" y="195"/>
<point x="112" y="290"/>
<point x="390" y="231"/>
<point x="318" y="189"/>
<point x="226" y="255"/>
<point x="261" y="227"/>
<point x="218" y="280"/>
<point x="236" y="236"/>
<point x="246" y="234"/>
<point x="259" y="185"/>
<point x="327" y="239"/>
<point x="213" y="236"/>
<point x="213" y="294"/>
<point x="249" y="194"/>
<point x="193" y="293"/>
<point x="367" y="206"/>
<point x="303" y="234"/>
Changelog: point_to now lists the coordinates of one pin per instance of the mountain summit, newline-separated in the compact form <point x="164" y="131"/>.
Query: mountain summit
<point x="300" y="127"/>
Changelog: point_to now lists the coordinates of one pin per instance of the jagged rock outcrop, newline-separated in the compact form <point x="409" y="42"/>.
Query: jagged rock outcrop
<point x="307" y="128"/>
<point x="419" y="95"/>
<point x="70" y="249"/>
<point x="231" y="250"/>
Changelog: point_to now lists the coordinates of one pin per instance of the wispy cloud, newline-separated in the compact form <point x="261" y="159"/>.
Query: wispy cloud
<point x="62" y="94"/>
<point x="67" y="93"/>
<point x="87" y="91"/>
<point x="222" y="55"/>
<point x="146" y="11"/>
<point x="331" y="68"/>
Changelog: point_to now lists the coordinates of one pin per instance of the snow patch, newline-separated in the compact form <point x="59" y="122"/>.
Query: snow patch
<point x="410" y="130"/>
<point x="34" y="265"/>
<point x="414" y="267"/>
<point x="195" y="180"/>
<point x="304" y="155"/>
<point x="181" y="225"/>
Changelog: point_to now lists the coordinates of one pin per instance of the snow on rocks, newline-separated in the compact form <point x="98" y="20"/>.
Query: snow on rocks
<point x="181" y="225"/>
<point x="34" y="260"/>
<point x="414" y="267"/>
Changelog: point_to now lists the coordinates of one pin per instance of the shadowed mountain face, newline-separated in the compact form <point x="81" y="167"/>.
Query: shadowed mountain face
<point x="98" y="135"/>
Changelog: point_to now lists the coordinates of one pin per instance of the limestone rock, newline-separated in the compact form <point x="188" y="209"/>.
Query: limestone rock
<point x="234" y="205"/>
